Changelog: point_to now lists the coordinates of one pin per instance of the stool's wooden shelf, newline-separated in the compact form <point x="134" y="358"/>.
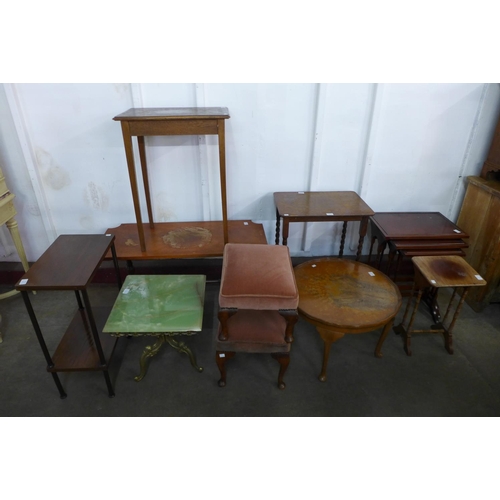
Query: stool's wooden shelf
<point x="181" y="240"/>
<point x="77" y="350"/>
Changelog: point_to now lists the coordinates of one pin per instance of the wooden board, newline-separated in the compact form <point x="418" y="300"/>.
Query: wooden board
<point x="181" y="240"/>
<point x="479" y="217"/>
<point x="77" y="350"/>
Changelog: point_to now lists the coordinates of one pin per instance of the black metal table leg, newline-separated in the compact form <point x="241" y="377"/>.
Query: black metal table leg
<point x="41" y="341"/>
<point x="97" y="341"/>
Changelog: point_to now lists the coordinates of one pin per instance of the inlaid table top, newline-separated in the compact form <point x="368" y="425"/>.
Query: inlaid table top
<point x="345" y="293"/>
<point x="158" y="304"/>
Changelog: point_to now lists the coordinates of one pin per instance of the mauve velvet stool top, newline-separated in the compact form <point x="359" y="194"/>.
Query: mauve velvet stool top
<point x="258" y="277"/>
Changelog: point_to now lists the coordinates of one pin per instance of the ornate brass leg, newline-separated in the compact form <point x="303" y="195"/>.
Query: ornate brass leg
<point x="182" y="347"/>
<point x="149" y="352"/>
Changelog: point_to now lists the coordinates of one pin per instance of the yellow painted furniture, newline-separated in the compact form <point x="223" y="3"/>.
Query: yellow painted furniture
<point x="7" y="216"/>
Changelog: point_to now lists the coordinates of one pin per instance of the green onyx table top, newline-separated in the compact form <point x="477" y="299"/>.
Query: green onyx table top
<point x="158" y="304"/>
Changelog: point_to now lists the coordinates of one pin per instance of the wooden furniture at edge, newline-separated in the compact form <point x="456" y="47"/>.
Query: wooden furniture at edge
<point x="200" y="239"/>
<point x="480" y="217"/>
<point x="7" y="217"/>
<point x="70" y="264"/>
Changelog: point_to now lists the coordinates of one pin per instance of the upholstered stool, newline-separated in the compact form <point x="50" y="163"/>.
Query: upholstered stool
<point x="258" y="302"/>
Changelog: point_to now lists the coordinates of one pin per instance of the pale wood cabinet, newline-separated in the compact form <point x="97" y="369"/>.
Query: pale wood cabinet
<point x="480" y="218"/>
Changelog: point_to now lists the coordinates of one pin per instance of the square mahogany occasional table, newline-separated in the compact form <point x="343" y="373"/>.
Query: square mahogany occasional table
<point x="164" y="307"/>
<point x="322" y="206"/>
<point x="70" y="264"/>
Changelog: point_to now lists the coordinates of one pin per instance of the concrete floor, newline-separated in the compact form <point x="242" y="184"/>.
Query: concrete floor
<point x="429" y="383"/>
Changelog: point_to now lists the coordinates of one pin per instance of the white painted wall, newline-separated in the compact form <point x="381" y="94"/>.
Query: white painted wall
<point x="402" y="147"/>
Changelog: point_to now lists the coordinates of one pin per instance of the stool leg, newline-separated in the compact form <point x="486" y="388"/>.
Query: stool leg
<point x="220" y="359"/>
<point x="283" y="359"/>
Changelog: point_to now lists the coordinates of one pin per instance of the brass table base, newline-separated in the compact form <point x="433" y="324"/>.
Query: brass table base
<point x="152" y="350"/>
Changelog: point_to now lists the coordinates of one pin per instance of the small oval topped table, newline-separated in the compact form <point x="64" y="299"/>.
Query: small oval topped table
<point x="340" y="296"/>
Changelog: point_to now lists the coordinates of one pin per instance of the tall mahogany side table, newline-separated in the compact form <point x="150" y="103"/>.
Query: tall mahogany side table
<point x="322" y="206"/>
<point x="141" y="122"/>
<point x="70" y="264"/>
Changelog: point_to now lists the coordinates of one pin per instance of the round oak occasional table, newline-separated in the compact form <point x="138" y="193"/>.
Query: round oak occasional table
<point x="340" y="296"/>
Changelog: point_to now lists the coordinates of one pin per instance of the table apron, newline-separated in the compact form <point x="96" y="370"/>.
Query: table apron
<point x="174" y="127"/>
<point x="347" y="329"/>
<point x="323" y="218"/>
